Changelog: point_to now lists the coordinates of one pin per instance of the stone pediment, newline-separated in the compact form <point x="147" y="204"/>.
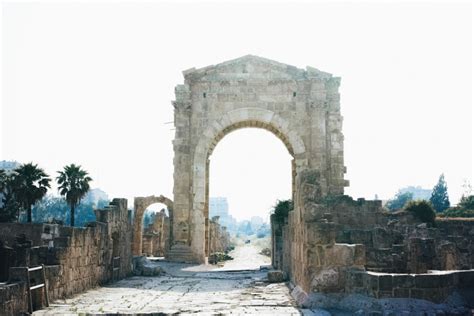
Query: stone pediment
<point x="253" y="67"/>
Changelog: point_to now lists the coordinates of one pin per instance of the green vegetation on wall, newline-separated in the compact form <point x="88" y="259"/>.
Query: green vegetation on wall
<point x="422" y="210"/>
<point x="281" y="210"/>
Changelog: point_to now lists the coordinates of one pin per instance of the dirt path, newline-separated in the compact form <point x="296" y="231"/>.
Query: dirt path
<point x="246" y="257"/>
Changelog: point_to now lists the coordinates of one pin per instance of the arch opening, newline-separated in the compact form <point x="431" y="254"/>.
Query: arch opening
<point x="234" y="120"/>
<point x="156" y="230"/>
<point x="249" y="169"/>
<point x="141" y="204"/>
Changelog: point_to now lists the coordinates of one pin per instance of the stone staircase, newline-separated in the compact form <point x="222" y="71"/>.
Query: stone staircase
<point x="181" y="253"/>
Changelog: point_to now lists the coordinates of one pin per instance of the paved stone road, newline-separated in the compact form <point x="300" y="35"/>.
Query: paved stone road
<point x="185" y="289"/>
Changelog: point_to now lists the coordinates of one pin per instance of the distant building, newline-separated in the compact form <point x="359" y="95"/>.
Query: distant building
<point x="418" y="192"/>
<point x="256" y="222"/>
<point x="9" y="165"/>
<point x="218" y="206"/>
<point x="94" y="196"/>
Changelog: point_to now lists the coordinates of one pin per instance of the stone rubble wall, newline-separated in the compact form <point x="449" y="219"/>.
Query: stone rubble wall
<point x="156" y="237"/>
<point x="435" y="286"/>
<point x="75" y="260"/>
<point x="399" y="243"/>
<point x="219" y="238"/>
<point x="333" y="244"/>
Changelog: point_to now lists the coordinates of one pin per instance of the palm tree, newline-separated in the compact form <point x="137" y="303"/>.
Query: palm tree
<point x="29" y="185"/>
<point x="73" y="184"/>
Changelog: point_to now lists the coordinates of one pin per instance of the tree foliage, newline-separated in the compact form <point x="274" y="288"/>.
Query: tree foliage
<point x="467" y="202"/>
<point x="52" y="209"/>
<point x="281" y="210"/>
<point x="9" y="207"/>
<point x="399" y="201"/>
<point x="439" y="198"/>
<point x="73" y="184"/>
<point x="464" y="209"/>
<point x="421" y="209"/>
<point x="27" y="185"/>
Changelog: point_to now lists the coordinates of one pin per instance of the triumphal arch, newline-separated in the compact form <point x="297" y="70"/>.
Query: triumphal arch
<point x="299" y="106"/>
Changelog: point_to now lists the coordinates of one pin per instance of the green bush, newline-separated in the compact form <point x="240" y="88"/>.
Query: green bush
<point x="422" y="210"/>
<point x="281" y="209"/>
<point x="457" y="212"/>
<point x="399" y="201"/>
<point x="216" y="257"/>
<point x="467" y="203"/>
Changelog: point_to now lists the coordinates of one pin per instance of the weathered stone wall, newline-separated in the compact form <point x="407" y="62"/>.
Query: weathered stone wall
<point x="400" y="243"/>
<point x="38" y="234"/>
<point x="309" y="252"/>
<point x="301" y="107"/>
<point x="435" y="287"/>
<point x="76" y="259"/>
<point x="156" y="237"/>
<point x="277" y="243"/>
<point x="338" y="238"/>
<point x="13" y="299"/>
<point x="139" y="206"/>
<point x="219" y="238"/>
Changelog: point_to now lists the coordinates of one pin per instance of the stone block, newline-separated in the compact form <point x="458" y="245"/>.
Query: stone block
<point x="371" y="282"/>
<point x="320" y="233"/>
<point x="466" y="279"/>
<point x="327" y="280"/>
<point x="385" y="282"/>
<point x="424" y="281"/>
<point x="403" y="281"/>
<point x="151" y="270"/>
<point x="401" y="292"/>
<point x="276" y="276"/>
<point x="355" y="279"/>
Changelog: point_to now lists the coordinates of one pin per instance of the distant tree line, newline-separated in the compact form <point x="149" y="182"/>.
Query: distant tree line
<point x="24" y="187"/>
<point x="439" y="201"/>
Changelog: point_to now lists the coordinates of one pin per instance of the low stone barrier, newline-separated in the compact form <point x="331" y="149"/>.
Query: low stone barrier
<point x="435" y="286"/>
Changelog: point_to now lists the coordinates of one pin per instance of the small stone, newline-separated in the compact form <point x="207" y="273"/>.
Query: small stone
<point x="276" y="276"/>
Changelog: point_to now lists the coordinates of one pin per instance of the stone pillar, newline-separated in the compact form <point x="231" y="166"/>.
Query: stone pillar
<point x="421" y="254"/>
<point x="206" y="212"/>
<point x="137" y="230"/>
<point x="183" y="160"/>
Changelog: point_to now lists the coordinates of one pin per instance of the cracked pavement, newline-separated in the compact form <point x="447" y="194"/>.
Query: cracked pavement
<point x="187" y="289"/>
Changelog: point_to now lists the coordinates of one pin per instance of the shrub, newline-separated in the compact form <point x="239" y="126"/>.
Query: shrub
<point x="281" y="210"/>
<point x="457" y="212"/>
<point x="467" y="203"/>
<point x="399" y="201"/>
<point x="216" y="257"/>
<point x="422" y="210"/>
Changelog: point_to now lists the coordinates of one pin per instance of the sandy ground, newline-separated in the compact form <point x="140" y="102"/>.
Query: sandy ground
<point x="246" y="257"/>
<point x="188" y="289"/>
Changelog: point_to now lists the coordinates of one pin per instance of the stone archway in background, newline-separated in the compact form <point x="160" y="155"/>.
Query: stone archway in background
<point x="301" y="107"/>
<point x="140" y="204"/>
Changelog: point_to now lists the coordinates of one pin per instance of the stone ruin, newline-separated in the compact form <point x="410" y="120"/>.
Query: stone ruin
<point x="329" y="243"/>
<point x="355" y="247"/>
<point x="76" y="258"/>
<point x="219" y="238"/>
<point x="300" y="107"/>
<point x="330" y="247"/>
<point x="156" y="237"/>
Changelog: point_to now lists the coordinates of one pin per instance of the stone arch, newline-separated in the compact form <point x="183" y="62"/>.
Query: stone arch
<point x="300" y="106"/>
<point x="140" y="205"/>
<point x="233" y="120"/>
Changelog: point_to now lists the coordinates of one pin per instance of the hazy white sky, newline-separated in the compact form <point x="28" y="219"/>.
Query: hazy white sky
<point x="92" y="83"/>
